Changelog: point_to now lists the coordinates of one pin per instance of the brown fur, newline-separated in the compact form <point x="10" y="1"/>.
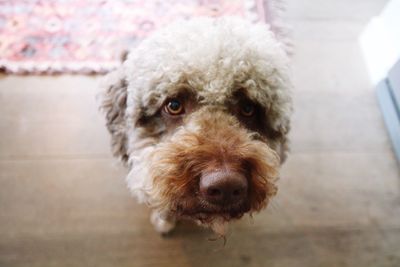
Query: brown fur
<point x="216" y="141"/>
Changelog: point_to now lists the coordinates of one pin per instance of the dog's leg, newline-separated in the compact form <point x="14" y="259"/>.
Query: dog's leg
<point x="162" y="223"/>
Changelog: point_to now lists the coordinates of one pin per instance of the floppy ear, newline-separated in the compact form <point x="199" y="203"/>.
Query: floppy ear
<point x="113" y="104"/>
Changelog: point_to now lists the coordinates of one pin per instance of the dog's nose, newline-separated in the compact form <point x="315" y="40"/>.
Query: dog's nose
<point x="223" y="187"/>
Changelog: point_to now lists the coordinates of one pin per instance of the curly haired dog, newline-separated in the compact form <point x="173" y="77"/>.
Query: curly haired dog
<point x="200" y="113"/>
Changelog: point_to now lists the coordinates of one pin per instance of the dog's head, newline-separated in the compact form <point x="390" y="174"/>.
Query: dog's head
<point x="200" y="112"/>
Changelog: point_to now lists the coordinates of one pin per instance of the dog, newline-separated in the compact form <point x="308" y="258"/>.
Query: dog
<point x="200" y="113"/>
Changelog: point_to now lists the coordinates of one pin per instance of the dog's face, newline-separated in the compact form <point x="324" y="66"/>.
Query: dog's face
<point x="200" y="112"/>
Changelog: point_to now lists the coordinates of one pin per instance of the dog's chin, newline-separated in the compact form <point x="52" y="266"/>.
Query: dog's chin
<point x="206" y="213"/>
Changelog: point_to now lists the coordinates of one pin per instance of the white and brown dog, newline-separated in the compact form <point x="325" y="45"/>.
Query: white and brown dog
<point x="200" y="113"/>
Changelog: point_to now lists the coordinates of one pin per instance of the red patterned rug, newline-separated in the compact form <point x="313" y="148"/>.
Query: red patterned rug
<point x="88" y="36"/>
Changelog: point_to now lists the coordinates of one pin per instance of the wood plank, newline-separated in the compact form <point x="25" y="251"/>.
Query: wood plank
<point x="330" y="209"/>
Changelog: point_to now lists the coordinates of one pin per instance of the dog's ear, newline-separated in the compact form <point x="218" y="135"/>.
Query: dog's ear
<point x="113" y="104"/>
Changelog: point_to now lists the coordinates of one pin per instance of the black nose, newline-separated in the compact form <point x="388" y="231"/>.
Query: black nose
<point x="223" y="187"/>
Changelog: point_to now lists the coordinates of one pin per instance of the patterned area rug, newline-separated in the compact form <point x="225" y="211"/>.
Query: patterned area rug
<point x="88" y="36"/>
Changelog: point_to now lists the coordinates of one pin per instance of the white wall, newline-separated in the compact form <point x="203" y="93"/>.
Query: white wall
<point x="380" y="41"/>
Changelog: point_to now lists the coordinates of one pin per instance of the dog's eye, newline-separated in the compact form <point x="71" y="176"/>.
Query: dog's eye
<point x="247" y="109"/>
<point x="174" y="107"/>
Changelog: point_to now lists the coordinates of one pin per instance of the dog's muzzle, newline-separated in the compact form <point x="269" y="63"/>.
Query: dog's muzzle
<point x="212" y="168"/>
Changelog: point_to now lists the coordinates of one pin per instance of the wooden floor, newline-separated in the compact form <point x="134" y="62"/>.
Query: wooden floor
<point x="63" y="201"/>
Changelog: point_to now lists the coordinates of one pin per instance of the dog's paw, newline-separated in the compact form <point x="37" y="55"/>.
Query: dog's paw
<point x="161" y="224"/>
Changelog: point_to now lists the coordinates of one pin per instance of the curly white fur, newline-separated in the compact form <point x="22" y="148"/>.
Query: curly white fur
<point x="213" y="56"/>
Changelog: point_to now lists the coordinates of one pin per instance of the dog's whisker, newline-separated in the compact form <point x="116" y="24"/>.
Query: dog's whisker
<point x="218" y="237"/>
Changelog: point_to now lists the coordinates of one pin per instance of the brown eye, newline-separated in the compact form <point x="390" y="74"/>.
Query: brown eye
<point x="247" y="109"/>
<point x="174" y="107"/>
